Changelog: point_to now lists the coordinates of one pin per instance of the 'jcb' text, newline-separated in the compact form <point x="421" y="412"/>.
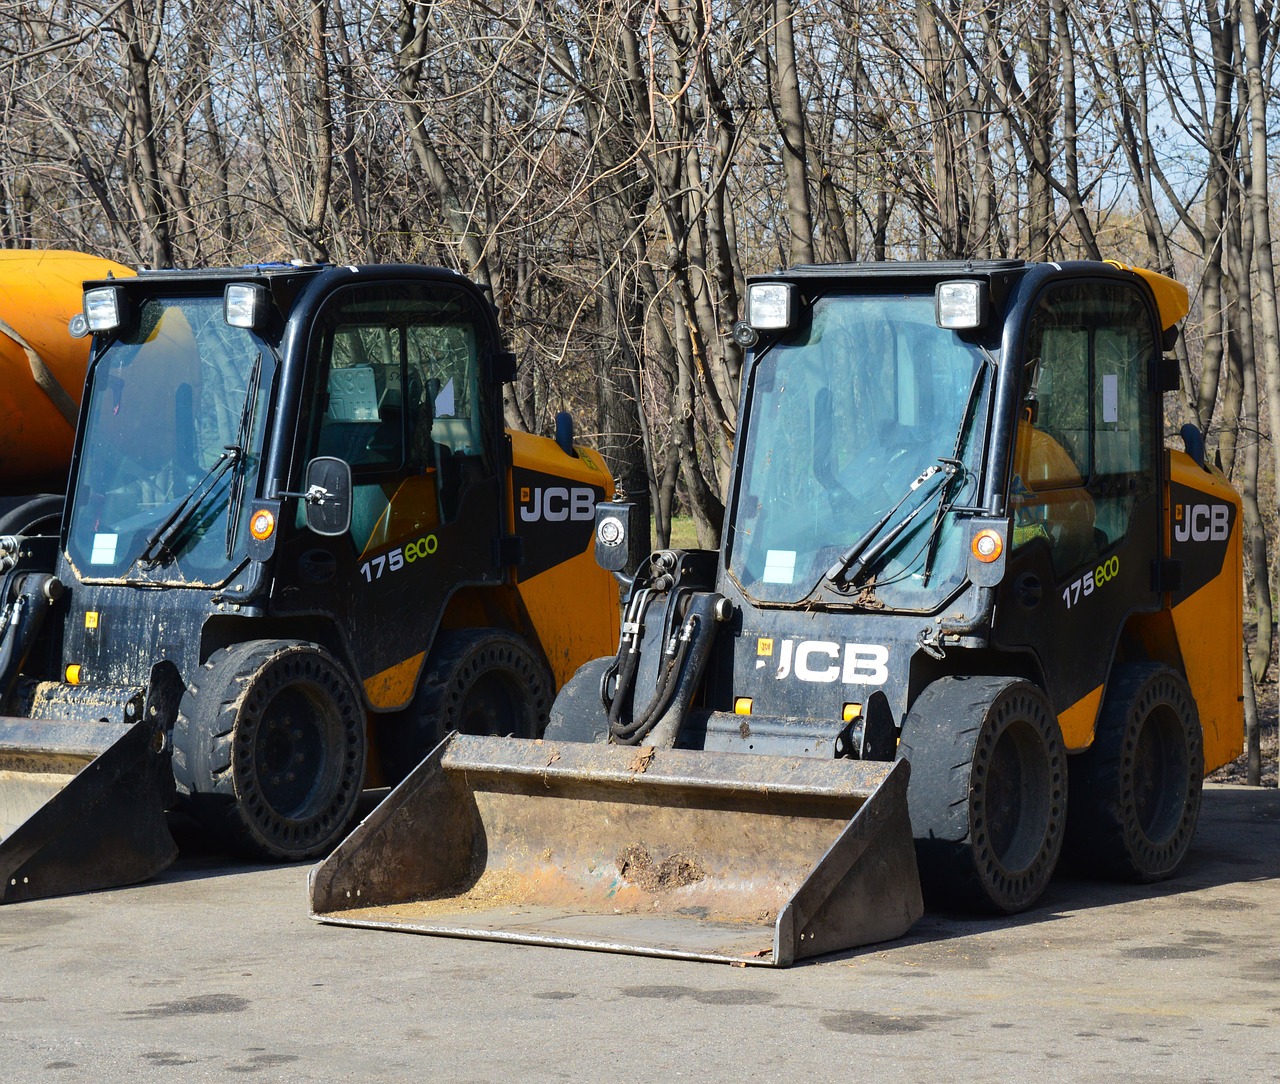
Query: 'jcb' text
<point x="823" y="660"/>
<point x="1201" y="522"/>
<point x="555" y="504"/>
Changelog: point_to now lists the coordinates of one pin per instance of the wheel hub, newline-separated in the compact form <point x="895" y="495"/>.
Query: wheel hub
<point x="290" y="752"/>
<point x="1159" y="776"/>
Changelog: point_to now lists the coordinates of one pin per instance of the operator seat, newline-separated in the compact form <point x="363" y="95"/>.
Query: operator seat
<point x="1050" y="500"/>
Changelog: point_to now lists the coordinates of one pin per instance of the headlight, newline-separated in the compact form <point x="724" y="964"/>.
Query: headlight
<point x="961" y="306"/>
<point x="770" y="305"/>
<point x="244" y="304"/>
<point x="104" y="308"/>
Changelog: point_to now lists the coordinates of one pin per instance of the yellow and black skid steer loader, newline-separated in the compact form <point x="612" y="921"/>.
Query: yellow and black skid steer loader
<point x="955" y="545"/>
<point x="298" y="548"/>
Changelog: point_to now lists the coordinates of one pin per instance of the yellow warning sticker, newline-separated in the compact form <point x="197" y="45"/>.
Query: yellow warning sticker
<point x="764" y="645"/>
<point x="91" y="619"/>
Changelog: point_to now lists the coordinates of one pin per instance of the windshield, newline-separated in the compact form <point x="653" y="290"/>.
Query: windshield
<point x="165" y="402"/>
<point x="844" y="418"/>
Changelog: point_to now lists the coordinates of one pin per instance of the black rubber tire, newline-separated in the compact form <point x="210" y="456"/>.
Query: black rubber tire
<point x="1135" y="794"/>
<point x="579" y="712"/>
<point x="254" y="711"/>
<point x="480" y="681"/>
<point x="988" y="792"/>
<point x="40" y="515"/>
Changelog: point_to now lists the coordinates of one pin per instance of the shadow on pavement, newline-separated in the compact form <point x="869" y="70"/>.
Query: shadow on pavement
<point x="1237" y="842"/>
<point x="199" y="857"/>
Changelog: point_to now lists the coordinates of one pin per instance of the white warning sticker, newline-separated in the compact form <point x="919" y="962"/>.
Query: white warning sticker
<point x="779" y="566"/>
<point x="104" y="549"/>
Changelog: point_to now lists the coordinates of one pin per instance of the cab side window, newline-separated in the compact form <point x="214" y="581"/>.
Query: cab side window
<point x="402" y="404"/>
<point x="1082" y="456"/>
<point x="362" y="422"/>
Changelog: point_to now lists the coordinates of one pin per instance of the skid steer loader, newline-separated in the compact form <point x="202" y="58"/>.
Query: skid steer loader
<point x="955" y="545"/>
<point x="298" y="548"/>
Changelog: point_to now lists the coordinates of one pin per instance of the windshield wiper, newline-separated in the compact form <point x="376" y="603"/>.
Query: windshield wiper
<point x="161" y="541"/>
<point x="935" y="531"/>
<point x="863" y="553"/>
<point x="247" y="412"/>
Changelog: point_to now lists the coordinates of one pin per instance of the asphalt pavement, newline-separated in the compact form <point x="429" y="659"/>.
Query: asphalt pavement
<point x="216" y="972"/>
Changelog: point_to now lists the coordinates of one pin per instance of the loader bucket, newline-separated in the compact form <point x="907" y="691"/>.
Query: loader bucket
<point x="667" y="852"/>
<point x="81" y="807"/>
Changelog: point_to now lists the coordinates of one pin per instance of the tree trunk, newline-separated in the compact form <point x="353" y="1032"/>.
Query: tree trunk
<point x="1259" y="205"/>
<point x="791" y="127"/>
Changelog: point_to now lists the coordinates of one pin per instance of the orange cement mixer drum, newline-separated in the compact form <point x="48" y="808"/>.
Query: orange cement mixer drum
<point x="41" y="366"/>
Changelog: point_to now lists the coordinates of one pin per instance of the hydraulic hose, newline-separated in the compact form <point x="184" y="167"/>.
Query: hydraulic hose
<point x="634" y="732"/>
<point x="22" y="622"/>
<point x="628" y="657"/>
<point x="638" y="729"/>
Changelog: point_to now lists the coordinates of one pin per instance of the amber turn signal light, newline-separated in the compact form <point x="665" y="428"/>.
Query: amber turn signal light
<point x="262" y="525"/>
<point x="987" y="546"/>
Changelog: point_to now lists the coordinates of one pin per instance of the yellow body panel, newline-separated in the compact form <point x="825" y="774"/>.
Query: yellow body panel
<point x="39" y="293"/>
<point x="1209" y="627"/>
<point x="394" y="686"/>
<point x="574" y="605"/>
<point x="1171" y="296"/>
<point x="1078" y="722"/>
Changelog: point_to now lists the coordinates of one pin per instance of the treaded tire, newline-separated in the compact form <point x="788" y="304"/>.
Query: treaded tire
<point x="269" y="749"/>
<point x="41" y="515"/>
<point x="579" y="713"/>
<point x="988" y="791"/>
<point x="481" y="681"/>
<point x="1135" y="794"/>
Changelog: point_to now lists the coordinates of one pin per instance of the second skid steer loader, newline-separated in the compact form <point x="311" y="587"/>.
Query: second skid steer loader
<point x="955" y="544"/>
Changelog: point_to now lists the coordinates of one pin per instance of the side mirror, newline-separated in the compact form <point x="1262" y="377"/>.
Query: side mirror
<point x="328" y="496"/>
<point x="615" y="524"/>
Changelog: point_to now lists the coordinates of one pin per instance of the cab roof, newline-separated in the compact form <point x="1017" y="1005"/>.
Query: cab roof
<point x="1172" y="299"/>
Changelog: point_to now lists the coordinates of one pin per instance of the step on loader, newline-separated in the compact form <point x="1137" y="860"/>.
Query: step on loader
<point x="966" y="598"/>
<point x="298" y="548"/>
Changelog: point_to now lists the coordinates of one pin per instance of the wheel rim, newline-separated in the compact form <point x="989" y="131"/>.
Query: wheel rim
<point x="1016" y="814"/>
<point x="1160" y="775"/>
<point x="490" y="706"/>
<point x="291" y="758"/>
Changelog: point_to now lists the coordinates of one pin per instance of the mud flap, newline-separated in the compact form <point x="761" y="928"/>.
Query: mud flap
<point x="81" y="807"/>
<point x="667" y="852"/>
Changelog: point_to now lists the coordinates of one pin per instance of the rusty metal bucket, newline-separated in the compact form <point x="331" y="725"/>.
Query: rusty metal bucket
<point x="81" y="807"/>
<point x="666" y="852"/>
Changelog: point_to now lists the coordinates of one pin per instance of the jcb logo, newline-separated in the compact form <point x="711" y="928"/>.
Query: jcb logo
<point x="1201" y="522"/>
<point x="826" y="661"/>
<point x="555" y="504"/>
